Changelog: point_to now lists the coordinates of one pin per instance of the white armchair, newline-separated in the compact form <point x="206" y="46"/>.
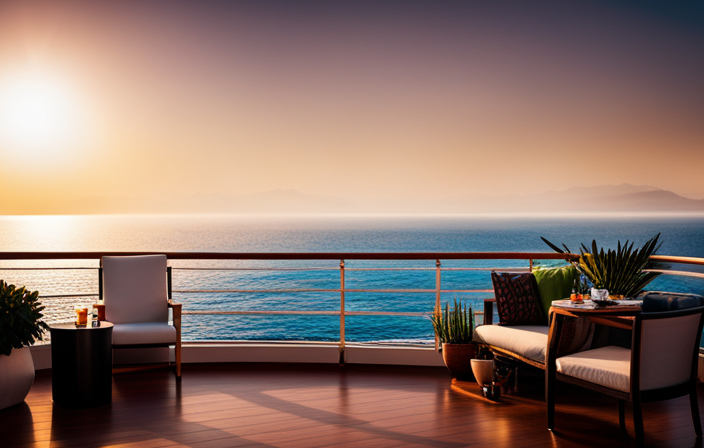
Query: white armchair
<point x="662" y="364"/>
<point x="136" y="291"/>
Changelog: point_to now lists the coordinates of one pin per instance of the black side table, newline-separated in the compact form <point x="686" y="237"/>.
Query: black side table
<point x="81" y="365"/>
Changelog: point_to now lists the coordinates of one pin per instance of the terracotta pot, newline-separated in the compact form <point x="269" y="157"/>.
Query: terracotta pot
<point x="16" y="376"/>
<point x="458" y="358"/>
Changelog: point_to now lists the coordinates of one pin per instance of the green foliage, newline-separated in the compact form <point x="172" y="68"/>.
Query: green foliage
<point x="454" y="326"/>
<point x="20" y="318"/>
<point x="619" y="271"/>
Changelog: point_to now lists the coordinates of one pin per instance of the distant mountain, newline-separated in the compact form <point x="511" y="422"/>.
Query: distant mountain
<point x="651" y="201"/>
<point x="624" y="198"/>
<point x="601" y="191"/>
<point x="616" y="198"/>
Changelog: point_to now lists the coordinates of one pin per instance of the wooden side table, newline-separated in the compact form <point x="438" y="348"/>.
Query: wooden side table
<point x="81" y="365"/>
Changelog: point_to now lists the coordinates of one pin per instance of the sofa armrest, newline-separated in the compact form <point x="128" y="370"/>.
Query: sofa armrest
<point x="489" y="311"/>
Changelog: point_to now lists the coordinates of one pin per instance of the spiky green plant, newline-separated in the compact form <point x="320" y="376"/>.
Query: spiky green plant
<point x="619" y="271"/>
<point x="454" y="325"/>
<point x="20" y="318"/>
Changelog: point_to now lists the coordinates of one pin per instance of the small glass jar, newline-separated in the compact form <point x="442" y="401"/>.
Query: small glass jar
<point x="100" y="306"/>
<point x="81" y="315"/>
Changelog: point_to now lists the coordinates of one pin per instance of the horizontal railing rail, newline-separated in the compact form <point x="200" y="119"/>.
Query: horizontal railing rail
<point x="678" y="260"/>
<point x="292" y="255"/>
<point x="680" y="273"/>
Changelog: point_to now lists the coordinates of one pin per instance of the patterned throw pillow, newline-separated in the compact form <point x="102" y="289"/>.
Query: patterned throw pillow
<point x="517" y="298"/>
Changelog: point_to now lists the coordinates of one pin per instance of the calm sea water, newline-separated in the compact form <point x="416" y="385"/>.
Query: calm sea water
<point x="680" y="236"/>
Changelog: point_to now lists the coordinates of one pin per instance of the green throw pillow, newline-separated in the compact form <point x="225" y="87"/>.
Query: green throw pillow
<point x="554" y="284"/>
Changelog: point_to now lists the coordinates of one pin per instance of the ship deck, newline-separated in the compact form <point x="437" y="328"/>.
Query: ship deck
<point x="299" y="405"/>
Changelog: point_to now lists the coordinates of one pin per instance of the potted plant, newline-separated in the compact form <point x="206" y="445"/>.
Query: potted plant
<point x="20" y="327"/>
<point x="454" y="327"/>
<point x="620" y="271"/>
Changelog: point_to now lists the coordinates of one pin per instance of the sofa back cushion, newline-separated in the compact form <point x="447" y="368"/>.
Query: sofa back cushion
<point x="517" y="298"/>
<point x="553" y="284"/>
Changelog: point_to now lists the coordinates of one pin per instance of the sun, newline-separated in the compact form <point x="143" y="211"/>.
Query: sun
<point x="38" y="114"/>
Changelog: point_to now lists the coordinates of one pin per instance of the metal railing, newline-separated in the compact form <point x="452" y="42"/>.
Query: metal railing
<point x="343" y="289"/>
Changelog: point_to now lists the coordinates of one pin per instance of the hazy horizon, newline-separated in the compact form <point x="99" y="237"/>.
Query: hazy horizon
<point x="601" y="201"/>
<point x="387" y="106"/>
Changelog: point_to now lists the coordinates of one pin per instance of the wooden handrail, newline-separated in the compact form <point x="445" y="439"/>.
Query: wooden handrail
<point x="326" y="256"/>
<point x="292" y="255"/>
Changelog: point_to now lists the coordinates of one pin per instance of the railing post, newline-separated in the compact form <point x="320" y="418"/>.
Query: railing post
<point x="530" y="265"/>
<point x="100" y="282"/>
<point x="437" y="297"/>
<point x="342" y="312"/>
<point x="168" y="282"/>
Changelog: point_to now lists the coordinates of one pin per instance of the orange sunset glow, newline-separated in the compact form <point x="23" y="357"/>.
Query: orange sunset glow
<point x="418" y="107"/>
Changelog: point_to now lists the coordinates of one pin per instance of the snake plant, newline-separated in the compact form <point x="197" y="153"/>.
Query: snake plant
<point x="620" y="271"/>
<point x="454" y="325"/>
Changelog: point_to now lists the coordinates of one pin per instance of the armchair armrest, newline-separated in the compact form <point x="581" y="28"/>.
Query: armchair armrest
<point x="176" y="307"/>
<point x="489" y="311"/>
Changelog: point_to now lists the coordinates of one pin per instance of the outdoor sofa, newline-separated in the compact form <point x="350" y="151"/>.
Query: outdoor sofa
<point x="522" y="331"/>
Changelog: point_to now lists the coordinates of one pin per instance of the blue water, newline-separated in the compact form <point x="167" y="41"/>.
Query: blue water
<point x="680" y="236"/>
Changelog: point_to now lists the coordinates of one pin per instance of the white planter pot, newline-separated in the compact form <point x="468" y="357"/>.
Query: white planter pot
<point x="483" y="370"/>
<point x="16" y="377"/>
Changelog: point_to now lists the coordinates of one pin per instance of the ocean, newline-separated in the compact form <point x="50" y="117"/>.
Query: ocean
<point x="682" y="236"/>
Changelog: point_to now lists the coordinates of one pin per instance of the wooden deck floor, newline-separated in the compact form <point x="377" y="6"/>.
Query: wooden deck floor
<point x="265" y="405"/>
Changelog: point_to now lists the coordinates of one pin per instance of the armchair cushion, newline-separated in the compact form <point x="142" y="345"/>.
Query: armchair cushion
<point x="143" y="333"/>
<point x="135" y="289"/>
<point x="608" y="366"/>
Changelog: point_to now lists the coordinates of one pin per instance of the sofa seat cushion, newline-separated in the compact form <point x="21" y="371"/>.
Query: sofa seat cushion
<point x="144" y="333"/>
<point x="608" y="366"/>
<point x="529" y="341"/>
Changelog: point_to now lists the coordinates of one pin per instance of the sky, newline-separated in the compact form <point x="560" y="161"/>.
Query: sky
<point x="375" y="103"/>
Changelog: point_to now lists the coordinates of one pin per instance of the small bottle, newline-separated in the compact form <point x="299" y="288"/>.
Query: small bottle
<point x="585" y="289"/>
<point x="94" y="321"/>
<point x="576" y="297"/>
